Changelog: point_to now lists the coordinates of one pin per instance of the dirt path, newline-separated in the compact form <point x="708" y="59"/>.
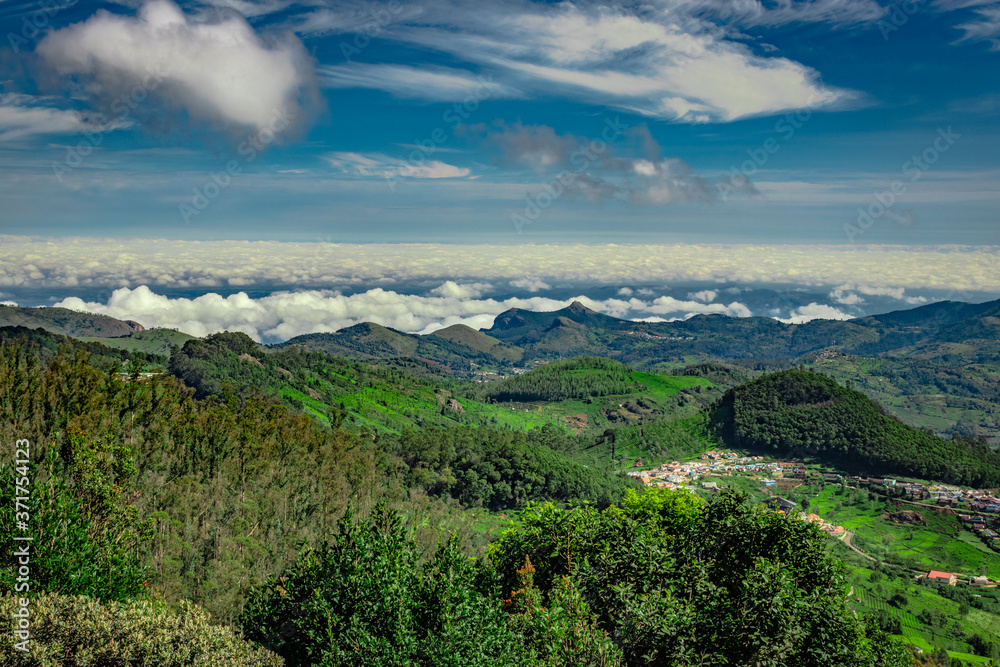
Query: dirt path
<point x="850" y="545"/>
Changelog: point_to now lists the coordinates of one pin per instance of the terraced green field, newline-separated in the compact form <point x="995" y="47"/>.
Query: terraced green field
<point x="941" y="543"/>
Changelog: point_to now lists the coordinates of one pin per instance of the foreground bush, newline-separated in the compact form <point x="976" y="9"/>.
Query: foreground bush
<point x="76" y="631"/>
<point x="678" y="583"/>
<point x="364" y="600"/>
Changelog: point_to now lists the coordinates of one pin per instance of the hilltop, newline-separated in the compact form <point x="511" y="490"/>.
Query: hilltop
<point x="66" y="322"/>
<point x="802" y="413"/>
<point x="453" y="348"/>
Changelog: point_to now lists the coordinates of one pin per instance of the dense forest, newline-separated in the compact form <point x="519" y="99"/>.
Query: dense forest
<point x="502" y="469"/>
<point x="800" y="413"/>
<point x="575" y="378"/>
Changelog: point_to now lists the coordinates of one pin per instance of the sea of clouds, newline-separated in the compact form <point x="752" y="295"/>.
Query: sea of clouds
<point x="287" y="314"/>
<point x="318" y="287"/>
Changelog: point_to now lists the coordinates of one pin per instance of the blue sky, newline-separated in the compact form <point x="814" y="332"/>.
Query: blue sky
<point x="726" y="122"/>
<point x="287" y="166"/>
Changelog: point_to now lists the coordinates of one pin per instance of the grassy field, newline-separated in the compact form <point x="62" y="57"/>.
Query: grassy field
<point x="150" y="341"/>
<point x="939" y="543"/>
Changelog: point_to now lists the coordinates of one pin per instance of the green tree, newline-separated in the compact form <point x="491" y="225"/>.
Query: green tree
<point x="362" y="599"/>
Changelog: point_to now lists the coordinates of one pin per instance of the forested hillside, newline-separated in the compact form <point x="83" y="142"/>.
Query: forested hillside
<point x="503" y="469"/>
<point x="575" y="378"/>
<point x="805" y="413"/>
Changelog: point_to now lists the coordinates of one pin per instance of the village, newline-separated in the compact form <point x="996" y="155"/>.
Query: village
<point x="676" y="474"/>
<point x="972" y="505"/>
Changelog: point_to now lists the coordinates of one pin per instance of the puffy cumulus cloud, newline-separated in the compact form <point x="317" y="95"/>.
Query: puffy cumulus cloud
<point x="626" y="291"/>
<point x="814" y="311"/>
<point x="87" y="262"/>
<point x="218" y="69"/>
<point x="674" y="62"/>
<point x="530" y="284"/>
<point x="666" y="304"/>
<point x="383" y="166"/>
<point x="846" y="298"/>
<point x="454" y="290"/>
<point x="704" y="295"/>
<point x="849" y="294"/>
<point x="284" y="315"/>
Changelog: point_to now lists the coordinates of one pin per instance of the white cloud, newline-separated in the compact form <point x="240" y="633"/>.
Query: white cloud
<point x="530" y="284"/>
<point x="844" y="294"/>
<point x="755" y="13"/>
<point x="985" y="28"/>
<point x="667" y="304"/>
<point x="284" y="315"/>
<point x="675" y="62"/>
<point x="454" y="290"/>
<point x="626" y="291"/>
<point x="250" y="8"/>
<point x="429" y="83"/>
<point x="218" y="70"/>
<point x="814" y="311"/>
<point x="705" y="295"/>
<point x="24" y="116"/>
<point x="846" y="298"/>
<point x="383" y="166"/>
<point x="89" y="262"/>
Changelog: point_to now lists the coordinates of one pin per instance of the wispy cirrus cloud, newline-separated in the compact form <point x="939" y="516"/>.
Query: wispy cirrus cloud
<point x="384" y="166"/>
<point x="25" y="116"/>
<point x="669" y="63"/>
<point x="985" y="27"/>
<point x="427" y="83"/>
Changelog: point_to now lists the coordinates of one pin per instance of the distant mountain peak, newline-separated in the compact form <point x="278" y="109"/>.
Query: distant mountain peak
<point x="578" y="307"/>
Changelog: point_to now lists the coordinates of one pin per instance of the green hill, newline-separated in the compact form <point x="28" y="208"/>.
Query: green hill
<point x="454" y="349"/>
<point x="477" y="340"/>
<point x="803" y="413"/>
<point x="66" y="322"/>
<point x="148" y="341"/>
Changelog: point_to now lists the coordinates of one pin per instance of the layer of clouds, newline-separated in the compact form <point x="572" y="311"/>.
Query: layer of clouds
<point x="219" y="70"/>
<point x="668" y="62"/>
<point x="85" y="262"/>
<point x="384" y="166"/>
<point x="284" y="315"/>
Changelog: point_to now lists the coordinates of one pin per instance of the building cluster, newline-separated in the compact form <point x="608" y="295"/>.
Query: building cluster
<point x="949" y="579"/>
<point x="944" y="495"/>
<point x="720" y="463"/>
<point x="785" y="506"/>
